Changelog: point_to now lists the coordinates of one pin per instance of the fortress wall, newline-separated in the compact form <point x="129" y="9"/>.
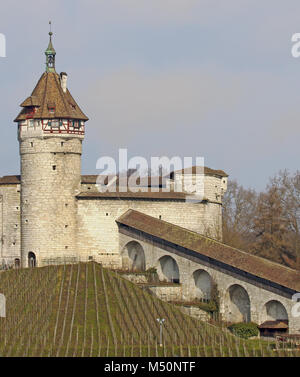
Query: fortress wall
<point x="259" y="292"/>
<point x="10" y="237"/>
<point x="98" y="230"/>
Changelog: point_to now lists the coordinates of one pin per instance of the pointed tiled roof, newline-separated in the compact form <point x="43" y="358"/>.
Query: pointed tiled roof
<point x="48" y="93"/>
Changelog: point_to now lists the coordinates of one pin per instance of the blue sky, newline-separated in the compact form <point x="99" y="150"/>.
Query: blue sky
<point x="164" y="77"/>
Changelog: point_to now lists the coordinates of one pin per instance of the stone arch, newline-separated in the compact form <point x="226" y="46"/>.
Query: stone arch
<point x="31" y="259"/>
<point x="203" y="284"/>
<point x="169" y="270"/>
<point x="239" y="308"/>
<point x="274" y="310"/>
<point x="135" y="256"/>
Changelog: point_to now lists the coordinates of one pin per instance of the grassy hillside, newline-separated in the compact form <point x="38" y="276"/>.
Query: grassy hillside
<point x="85" y="310"/>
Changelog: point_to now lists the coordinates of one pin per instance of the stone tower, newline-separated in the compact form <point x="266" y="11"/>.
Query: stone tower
<point x="51" y="128"/>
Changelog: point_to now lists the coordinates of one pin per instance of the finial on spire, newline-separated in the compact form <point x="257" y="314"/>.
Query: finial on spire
<point x="50" y="54"/>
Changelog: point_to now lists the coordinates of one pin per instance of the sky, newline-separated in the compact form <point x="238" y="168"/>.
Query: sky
<point x="187" y="78"/>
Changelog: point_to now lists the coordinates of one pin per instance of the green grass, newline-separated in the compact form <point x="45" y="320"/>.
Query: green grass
<point x="85" y="310"/>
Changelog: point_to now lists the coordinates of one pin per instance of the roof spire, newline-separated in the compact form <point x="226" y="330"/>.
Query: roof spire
<point x="50" y="54"/>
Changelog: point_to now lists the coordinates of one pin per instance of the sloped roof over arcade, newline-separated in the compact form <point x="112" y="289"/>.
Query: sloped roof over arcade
<point x="47" y="94"/>
<point x="213" y="249"/>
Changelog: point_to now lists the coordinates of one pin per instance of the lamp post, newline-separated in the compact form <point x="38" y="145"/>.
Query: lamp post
<point x="161" y="323"/>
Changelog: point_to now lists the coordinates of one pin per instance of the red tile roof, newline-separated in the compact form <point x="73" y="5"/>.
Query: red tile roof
<point x="10" y="180"/>
<point x="48" y="93"/>
<point x="196" y="169"/>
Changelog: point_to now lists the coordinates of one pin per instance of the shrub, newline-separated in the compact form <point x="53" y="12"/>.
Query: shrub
<point x="244" y="330"/>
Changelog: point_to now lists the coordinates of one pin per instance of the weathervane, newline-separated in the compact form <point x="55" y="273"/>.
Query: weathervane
<point x="50" y="53"/>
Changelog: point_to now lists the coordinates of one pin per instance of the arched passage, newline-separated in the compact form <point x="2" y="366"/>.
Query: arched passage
<point x="169" y="269"/>
<point x="275" y="311"/>
<point x="136" y="256"/>
<point x="238" y="304"/>
<point x="31" y="259"/>
<point x="203" y="283"/>
<point x="275" y="319"/>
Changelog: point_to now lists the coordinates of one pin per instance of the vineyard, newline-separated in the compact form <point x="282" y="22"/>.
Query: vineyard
<point x="86" y="310"/>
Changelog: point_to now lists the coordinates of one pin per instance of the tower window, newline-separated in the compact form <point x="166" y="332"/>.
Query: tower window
<point x="53" y="167"/>
<point x="159" y="217"/>
<point x="31" y="144"/>
<point x="51" y="108"/>
<point x="55" y="124"/>
<point x="62" y="144"/>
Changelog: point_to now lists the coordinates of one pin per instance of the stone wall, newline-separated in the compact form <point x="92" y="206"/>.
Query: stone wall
<point x="10" y="224"/>
<point x="50" y="179"/>
<point x="98" y="231"/>
<point x="259" y="292"/>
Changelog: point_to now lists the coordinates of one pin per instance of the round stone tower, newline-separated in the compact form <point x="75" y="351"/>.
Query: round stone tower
<point x="51" y="129"/>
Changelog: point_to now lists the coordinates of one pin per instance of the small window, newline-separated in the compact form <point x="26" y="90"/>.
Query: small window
<point x="53" y="167"/>
<point x="66" y="247"/>
<point x="51" y="109"/>
<point x="26" y="221"/>
<point x="17" y="208"/>
<point x="106" y="214"/>
<point x="31" y="144"/>
<point x="66" y="226"/>
<point x="31" y="123"/>
<point x="16" y="226"/>
<point x="55" y="124"/>
<point x="91" y="257"/>
<point x="61" y="144"/>
<point x="159" y="217"/>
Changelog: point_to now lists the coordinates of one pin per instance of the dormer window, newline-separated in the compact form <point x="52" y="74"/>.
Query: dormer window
<point x="51" y="108"/>
<point x="73" y="106"/>
<point x="30" y="112"/>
